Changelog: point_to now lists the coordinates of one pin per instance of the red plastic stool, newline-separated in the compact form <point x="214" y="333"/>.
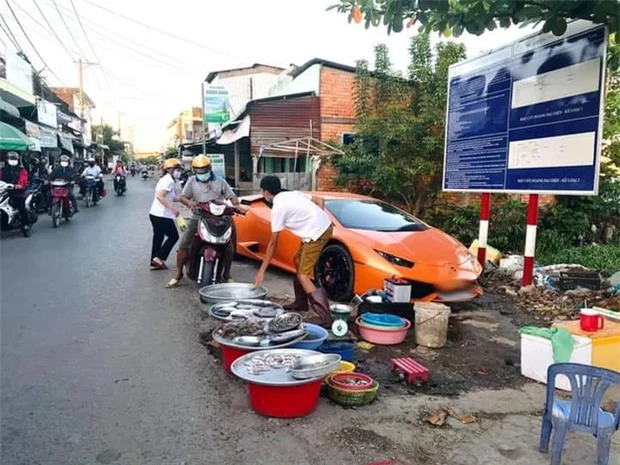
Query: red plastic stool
<point x="411" y="368"/>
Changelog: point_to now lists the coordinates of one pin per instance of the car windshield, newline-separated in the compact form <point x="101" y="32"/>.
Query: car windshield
<point x="372" y="215"/>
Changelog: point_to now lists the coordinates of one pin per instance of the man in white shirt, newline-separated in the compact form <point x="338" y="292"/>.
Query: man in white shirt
<point x="303" y="215"/>
<point x="93" y="170"/>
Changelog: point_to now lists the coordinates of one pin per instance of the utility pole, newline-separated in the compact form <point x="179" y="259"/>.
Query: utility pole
<point x="81" y="84"/>
<point x="81" y="64"/>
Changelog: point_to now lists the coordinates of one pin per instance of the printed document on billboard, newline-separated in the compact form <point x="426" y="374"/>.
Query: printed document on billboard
<point x="578" y="79"/>
<point x="527" y="118"/>
<point x="548" y="152"/>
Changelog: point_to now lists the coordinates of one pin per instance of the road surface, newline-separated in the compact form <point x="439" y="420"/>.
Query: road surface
<point x="102" y="365"/>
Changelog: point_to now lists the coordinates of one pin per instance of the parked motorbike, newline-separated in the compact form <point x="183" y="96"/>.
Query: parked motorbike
<point x="61" y="204"/>
<point x="91" y="192"/>
<point x="215" y="232"/>
<point x="39" y="188"/>
<point x="9" y="216"/>
<point x="145" y="175"/>
<point x="120" y="184"/>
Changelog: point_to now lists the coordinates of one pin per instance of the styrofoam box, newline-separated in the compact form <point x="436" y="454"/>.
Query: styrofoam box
<point x="537" y="355"/>
<point x="398" y="293"/>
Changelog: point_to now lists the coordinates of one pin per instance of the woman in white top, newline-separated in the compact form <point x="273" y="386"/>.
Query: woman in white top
<point x="162" y="215"/>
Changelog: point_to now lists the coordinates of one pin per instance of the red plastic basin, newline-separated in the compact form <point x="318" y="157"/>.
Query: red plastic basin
<point x="230" y="354"/>
<point x="285" y="401"/>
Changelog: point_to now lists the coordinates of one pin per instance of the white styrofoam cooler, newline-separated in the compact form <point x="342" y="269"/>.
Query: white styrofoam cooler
<point x="537" y="355"/>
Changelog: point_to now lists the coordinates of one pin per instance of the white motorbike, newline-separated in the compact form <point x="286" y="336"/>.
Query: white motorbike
<point x="9" y="216"/>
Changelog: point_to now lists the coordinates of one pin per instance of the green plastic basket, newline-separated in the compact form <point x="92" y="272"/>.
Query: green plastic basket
<point x="352" y="398"/>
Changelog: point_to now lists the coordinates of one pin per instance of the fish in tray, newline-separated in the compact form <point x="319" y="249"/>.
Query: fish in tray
<point x="242" y="328"/>
<point x="262" y="363"/>
<point x="285" y="322"/>
<point x="281" y="338"/>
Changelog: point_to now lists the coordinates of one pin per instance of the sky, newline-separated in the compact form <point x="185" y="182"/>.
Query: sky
<point x="143" y="78"/>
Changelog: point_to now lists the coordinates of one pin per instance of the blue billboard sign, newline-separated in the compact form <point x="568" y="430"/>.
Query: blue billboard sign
<point x="527" y="118"/>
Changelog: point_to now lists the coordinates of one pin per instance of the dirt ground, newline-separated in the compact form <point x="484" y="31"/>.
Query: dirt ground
<point x="492" y="412"/>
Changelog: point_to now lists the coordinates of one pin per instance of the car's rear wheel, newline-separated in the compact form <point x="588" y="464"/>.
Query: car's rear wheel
<point x="334" y="271"/>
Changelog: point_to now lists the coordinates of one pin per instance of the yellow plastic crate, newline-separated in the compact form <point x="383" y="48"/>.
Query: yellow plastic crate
<point x="605" y="343"/>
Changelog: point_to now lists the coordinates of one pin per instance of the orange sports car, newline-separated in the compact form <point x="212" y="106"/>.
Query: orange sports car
<point x="372" y="240"/>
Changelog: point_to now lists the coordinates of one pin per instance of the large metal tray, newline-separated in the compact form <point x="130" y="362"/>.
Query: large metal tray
<point x="227" y="342"/>
<point x="275" y="376"/>
<point x="223" y="292"/>
<point x="249" y="312"/>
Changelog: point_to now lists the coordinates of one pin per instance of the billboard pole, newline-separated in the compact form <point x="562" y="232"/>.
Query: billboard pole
<point x="530" y="240"/>
<point x="483" y="232"/>
<point x="204" y="126"/>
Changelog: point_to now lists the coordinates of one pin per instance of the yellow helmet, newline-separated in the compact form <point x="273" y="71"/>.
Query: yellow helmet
<point x="201" y="163"/>
<point x="171" y="163"/>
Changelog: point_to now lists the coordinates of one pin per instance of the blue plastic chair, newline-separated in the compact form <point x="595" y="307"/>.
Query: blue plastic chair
<point x="583" y="412"/>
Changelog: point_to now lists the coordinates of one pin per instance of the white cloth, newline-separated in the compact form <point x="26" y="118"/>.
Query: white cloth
<point x="166" y="184"/>
<point x="295" y="211"/>
<point x="91" y="171"/>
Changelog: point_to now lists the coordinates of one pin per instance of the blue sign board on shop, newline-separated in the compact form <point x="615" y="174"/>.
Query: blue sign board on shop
<point x="527" y="118"/>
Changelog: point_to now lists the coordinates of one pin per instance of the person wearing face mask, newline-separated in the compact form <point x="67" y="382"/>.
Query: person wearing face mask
<point x="119" y="169"/>
<point x="66" y="172"/>
<point x="94" y="170"/>
<point x="203" y="187"/>
<point x="14" y="173"/>
<point x="162" y="215"/>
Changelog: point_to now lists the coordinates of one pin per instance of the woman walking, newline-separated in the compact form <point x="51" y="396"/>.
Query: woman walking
<point x="163" y="213"/>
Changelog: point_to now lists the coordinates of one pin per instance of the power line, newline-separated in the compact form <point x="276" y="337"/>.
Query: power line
<point x="90" y="45"/>
<point x="69" y="30"/>
<point x="29" y="41"/>
<point x="10" y="34"/>
<point x="161" y="31"/>
<point x="67" y="49"/>
<point x="173" y="63"/>
<point x="42" y="29"/>
<point x="51" y="28"/>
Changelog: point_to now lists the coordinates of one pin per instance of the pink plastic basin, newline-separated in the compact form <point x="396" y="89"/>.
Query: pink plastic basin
<point x="385" y="336"/>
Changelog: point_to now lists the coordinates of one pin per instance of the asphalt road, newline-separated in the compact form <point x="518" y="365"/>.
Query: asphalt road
<point x="100" y="363"/>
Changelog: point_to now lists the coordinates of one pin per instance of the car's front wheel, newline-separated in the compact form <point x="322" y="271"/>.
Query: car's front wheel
<point x="334" y="271"/>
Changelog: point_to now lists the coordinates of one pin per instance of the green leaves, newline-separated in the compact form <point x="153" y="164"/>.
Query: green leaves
<point x="476" y="16"/>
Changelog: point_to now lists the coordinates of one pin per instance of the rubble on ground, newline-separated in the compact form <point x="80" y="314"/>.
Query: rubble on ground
<point x="545" y="300"/>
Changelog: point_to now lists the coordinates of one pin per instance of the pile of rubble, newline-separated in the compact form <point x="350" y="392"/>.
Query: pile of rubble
<point x="558" y="292"/>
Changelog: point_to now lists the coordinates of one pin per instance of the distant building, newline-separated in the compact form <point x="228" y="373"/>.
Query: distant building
<point x="287" y="128"/>
<point x="71" y="96"/>
<point x="186" y="127"/>
<point x="245" y="84"/>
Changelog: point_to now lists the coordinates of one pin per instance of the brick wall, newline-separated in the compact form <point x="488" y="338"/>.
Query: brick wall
<point x="337" y="116"/>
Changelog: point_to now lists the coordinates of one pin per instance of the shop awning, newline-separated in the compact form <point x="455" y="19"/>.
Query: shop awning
<point x="65" y="143"/>
<point x="9" y="109"/>
<point x="232" y="135"/>
<point x="13" y="139"/>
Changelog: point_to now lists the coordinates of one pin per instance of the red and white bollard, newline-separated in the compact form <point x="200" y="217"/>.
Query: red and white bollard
<point x="483" y="232"/>
<point x="530" y="240"/>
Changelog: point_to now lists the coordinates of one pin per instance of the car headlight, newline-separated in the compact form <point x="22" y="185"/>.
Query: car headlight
<point x="396" y="260"/>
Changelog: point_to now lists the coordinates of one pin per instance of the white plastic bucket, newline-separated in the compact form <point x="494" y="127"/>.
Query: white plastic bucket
<point x="431" y="324"/>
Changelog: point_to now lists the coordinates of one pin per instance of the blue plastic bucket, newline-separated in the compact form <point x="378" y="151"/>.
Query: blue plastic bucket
<point x="344" y="349"/>
<point x="317" y="337"/>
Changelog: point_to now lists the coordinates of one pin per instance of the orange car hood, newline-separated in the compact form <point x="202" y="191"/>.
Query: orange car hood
<point x="431" y="247"/>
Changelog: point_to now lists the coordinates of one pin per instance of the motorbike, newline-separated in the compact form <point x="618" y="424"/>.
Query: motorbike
<point x="133" y="172"/>
<point x="145" y="175"/>
<point x="91" y="192"/>
<point x="120" y="184"/>
<point x="9" y="216"/>
<point x="39" y="188"/>
<point x="61" y="204"/>
<point x="215" y="232"/>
